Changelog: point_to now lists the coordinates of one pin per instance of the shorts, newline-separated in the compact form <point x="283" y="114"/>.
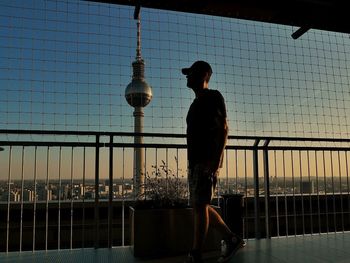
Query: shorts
<point x="202" y="184"/>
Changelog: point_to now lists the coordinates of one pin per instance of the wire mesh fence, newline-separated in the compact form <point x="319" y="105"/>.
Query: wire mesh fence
<point x="65" y="66"/>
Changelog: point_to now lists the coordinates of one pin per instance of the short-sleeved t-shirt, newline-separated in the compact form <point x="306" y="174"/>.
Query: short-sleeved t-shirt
<point x="206" y="123"/>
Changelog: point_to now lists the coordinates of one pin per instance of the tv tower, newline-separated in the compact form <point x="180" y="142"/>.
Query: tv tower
<point x="138" y="94"/>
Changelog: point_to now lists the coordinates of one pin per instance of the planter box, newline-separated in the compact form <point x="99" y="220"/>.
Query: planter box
<point x="165" y="232"/>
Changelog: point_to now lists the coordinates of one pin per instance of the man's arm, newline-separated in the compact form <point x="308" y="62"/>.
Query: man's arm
<point x="219" y="134"/>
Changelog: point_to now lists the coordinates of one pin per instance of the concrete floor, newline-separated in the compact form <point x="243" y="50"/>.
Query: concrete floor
<point x="309" y="249"/>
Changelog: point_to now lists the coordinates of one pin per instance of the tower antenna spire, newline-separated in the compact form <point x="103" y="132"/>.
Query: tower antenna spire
<point x="137" y="17"/>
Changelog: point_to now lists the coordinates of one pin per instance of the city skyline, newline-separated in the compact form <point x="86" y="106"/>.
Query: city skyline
<point x="81" y="189"/>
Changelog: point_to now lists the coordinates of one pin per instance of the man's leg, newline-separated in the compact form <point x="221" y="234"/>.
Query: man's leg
<point x="232" y="242"/>
<point x="200" y="230"/>
<point x="201" y="225"/>
<point x="203" y="215"/>
<point x="217" y="222"/>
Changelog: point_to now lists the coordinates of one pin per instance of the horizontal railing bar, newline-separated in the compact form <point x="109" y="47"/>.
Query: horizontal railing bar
<point x="169" y="146"/>
<point x="91" y="133"/>
<point x="305" y="148"/>
<point x="91" y="144"/>
<point x="50" y="144"/>
<point x="169" y="135"/>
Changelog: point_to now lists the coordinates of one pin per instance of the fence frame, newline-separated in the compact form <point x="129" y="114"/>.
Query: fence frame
<point x="257" y="145"/>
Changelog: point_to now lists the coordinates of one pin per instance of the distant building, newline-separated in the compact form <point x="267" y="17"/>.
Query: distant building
<point x="44" y="195"/>
<point x="307" y="187"/>
<point x="81" y="190"/>
<point x="89" y="195"/>
<point x="28" y="195"/>
<point x="14" y="196"/>
<point x="119" y="189"/>
<point x="103" y="188"/>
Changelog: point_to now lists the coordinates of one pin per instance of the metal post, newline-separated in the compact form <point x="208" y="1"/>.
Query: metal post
<point x="22" y="190"/>
<point x="97" y="179"/>
<point x="71" y="197"/>
<point x="8" y="200"/>
<point x="267" y="189"/>
<point x="256" y="191"/>
<point x="35" y="200"/>
<point x="83" y="194"/>
<point x="47" y="200"/>
<point x="110" y="200"/>
<point x="59" y="198"/>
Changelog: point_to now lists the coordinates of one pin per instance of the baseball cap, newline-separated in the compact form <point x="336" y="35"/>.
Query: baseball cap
<point x="198" y="66"/>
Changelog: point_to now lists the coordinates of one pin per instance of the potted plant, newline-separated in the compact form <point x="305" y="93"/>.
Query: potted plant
<point x="161" y="219"/>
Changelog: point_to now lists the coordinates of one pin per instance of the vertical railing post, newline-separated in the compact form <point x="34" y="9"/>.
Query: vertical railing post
<point x="22" y="190"/>
<point x="83" y="196"/>
<point x="71" y="198"/>
<point x="8" y="201"/>
<point x="59" y="199"/>
<point x="256" y="190"/>
<point x="123" y="198"/>
<point x="267" y="189"/>
<point x="97" y="179"/>
<point x="35" y="198"/>
<point x="47" y="199"/>
<point x="110" y="199"/>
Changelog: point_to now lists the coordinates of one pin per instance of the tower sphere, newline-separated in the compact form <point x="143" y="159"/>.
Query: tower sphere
<point x="138" y="93"/>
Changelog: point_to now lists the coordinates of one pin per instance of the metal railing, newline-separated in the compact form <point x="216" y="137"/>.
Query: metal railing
<point x="63" y="189"/>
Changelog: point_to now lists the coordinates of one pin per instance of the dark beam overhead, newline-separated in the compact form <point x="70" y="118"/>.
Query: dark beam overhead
<point x="307" y="14"/>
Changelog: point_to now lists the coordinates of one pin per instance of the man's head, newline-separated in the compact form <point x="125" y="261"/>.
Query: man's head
<point x="198" y="75"/>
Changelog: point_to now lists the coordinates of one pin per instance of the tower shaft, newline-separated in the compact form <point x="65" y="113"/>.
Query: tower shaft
<point x="139" y="174"/>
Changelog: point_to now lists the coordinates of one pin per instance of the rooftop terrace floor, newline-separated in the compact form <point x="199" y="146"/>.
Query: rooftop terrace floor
<point x="311" y="249"/>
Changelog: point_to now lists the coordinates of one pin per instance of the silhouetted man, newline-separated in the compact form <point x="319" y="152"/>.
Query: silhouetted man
<point x="206" y="139"/>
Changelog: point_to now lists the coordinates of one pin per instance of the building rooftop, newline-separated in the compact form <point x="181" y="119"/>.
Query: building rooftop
<point x="323" y="14"/>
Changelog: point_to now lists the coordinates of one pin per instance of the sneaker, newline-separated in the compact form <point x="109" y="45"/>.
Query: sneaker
<point x="194" y="257"/>
<point x="229" y="248"/>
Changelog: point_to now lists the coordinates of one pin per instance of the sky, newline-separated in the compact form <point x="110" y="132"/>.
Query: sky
<point x="65" y="66"/>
